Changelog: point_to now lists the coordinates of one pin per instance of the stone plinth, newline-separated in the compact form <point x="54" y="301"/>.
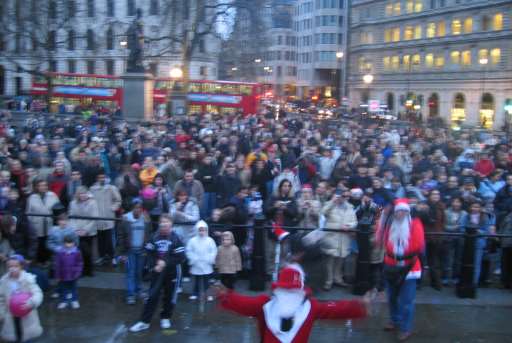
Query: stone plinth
<point x="138" y="96"/>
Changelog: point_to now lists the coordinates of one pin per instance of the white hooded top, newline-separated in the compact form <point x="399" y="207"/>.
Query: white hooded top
<point x="201" y="252"/>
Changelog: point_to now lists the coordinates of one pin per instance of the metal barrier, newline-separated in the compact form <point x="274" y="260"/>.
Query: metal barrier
<point x="466" y="288"/>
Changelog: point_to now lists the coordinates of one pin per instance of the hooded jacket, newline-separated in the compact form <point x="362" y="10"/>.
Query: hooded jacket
<point x="88" y="208"/>
<point x="201" y="252"/>
<point x="228" y="260"/>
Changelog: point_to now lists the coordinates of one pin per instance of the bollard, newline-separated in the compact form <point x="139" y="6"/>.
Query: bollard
<point x="257" y="277"/>
<point x="362" y="283"/>
<point x="465" y="287"/>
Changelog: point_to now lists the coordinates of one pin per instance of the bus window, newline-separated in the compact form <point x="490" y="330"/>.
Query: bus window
<point x="194" y="87"/>
<point x="245" y="90"/>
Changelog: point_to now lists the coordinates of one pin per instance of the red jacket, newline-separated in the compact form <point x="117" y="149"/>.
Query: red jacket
<point x="484" y="167"/>
<point x="253" y="307"/>
<point x="416" y="246"/>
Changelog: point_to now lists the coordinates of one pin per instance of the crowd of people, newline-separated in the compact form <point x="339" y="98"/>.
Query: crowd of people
<point x="185" y="187"/>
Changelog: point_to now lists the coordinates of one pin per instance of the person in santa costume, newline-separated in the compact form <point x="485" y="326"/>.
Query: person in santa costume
<point x="403" y="241"/>
<point x="288" y="315"/>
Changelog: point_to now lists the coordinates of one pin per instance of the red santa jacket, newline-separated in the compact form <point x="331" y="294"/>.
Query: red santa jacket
<point x="416" y="246"/>
<point x="254" y="307"/>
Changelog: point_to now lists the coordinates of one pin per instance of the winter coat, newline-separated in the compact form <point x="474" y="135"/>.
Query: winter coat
<point x="56" y="237"/>
<point x="189" y="213"/>
<point x="201" y="252"/>
<point x="147" y="176"/>
<point x="6" y="251"/>
<point x="227" y="186"/>
<point x="172" y="172"/>
<point x="41" y="205"/>
<point x="87" y="208"/>
<point x="207" y="174"/>
<point x="195" y="190"/>
<point x="309" y="215"/>
<point x="334" y="243"/>
<point x="68" y="264"/>
<point x="488" y="189"/>
<point x="30" y="323"/>
<point x="228" y="260"/>
<point x="506" y="229"/>
<point x="124" y="233"/>
<point x="108" y="199"/>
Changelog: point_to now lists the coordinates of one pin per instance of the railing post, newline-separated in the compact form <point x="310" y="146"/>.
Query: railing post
<point x="257" y="277"/>
<point x="362" y="283"/>
<point x="466" y="287"/>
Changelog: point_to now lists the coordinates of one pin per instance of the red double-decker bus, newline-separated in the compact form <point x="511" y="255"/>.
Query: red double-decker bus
<point x="107" y="91"/>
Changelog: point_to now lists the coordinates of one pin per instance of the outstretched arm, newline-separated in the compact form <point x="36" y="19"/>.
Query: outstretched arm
<point x="241" y="304"/>
<point x="343" y="309"/>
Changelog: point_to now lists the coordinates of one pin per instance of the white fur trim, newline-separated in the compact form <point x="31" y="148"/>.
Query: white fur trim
<point x="413" y="275"/>
<point x="402" y="206"/>
<point x="274" y="322"/>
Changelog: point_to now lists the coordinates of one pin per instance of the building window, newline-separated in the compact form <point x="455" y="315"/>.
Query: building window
<point x="109" y="66"/>
<point x="456" y="27"/>
<point x="441" y="29"/>
<point x="409" y="6"/>
<point x="90" y="40"/>
<point x="110" y="8"/>
<point x="71" y="66"/>
<point x="388" y="35"/>
<point x="408" y="33"/>
<point x="52" y="10"/>
<point x="53" y="66"/>
<point x="483" y="54"/>
<point x="429" y="60"/>
<point x="485" y="23"/>
<point x="416" y="60"/>
<point x="130" y="7"/>
<point x="495" y="56"/>
<point x="52" y="40"/>
<point x="466" y="58"/>
<point x="90" y="8"/>
<point x="154" y="8"/>
<point x="389" y="10"/>
<point x="110" y="39"/>
<point x="455" y="57"/>
<point x="468" y="25"/>
<point x="396" y="34"/>
<point x="417" y="32"/>
<point x="91" y="67"/>
<point x="71" y="8"/>
<point x="279" y="71"/>
<point x="153" y="68"/>
<point x="396" y="8"/>
<point x="201" y="46"/>
<point x="439" y="61"/>
<point x="71" y="40"/>
<point x="395" y="62"/>
<point x="431" y="30"/>
<point x="406" y="62"/>
<point x="497" y="22"/>
<point x="386" y="62"/>
<point x="203" y="71"/>
<point x="418" y="6"/>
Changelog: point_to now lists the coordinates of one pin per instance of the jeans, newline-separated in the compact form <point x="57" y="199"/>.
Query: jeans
<point x="451" y="258"/>
<point x="134" y="266"/>
<point x="200" y="284"/>
<point x="208" y="204"/>
<point x="401" y="304"/>
<point x="479" y="254"/>
<point x="105" y="244"/>
<point x="66" y="289"/>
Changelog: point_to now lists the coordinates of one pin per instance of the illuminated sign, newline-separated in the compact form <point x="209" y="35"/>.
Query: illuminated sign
<point x="210" y="98"/>
<point x="84" y="91"/>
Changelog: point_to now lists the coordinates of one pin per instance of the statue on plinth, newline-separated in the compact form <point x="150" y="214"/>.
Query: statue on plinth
<point x="135" y="36"/>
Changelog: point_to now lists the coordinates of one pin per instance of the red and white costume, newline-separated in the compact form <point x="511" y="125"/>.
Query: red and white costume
<point x="263" y="308"/>
<point x="394" y="255"/>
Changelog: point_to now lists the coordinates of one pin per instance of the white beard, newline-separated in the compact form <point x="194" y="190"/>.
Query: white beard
<point x="287" y="302"/>
<point x="399" y="234"/>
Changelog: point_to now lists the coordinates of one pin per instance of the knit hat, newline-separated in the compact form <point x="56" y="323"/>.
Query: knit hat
<point x="402" y="205"/>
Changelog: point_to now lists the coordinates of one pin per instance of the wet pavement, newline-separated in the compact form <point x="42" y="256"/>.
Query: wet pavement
<point x="103" y="318"/>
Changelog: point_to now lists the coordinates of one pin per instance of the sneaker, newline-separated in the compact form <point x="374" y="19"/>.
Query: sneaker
<point x="130" y="300"/>
<point x="186" y="279"/>
<point x="75" y="305"/>
<point x="55" y="295"/>
<point x="62" y="306"/>
<point x="139" y="326"/>
<point x="69" y="296"/>
<point x="209" y="298"/>
<point x="165" y="324"/>
<point x="99" y="261"/>
<point x="114" y="262"/>
<point x="180" y="290"/>
<point x="192" y="297"/>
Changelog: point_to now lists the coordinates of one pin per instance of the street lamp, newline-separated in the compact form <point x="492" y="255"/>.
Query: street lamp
<point x="178" y="96"/>
<point x="368" y="78"/>
<point x="258" y="60"/>
<point x="483" y="61"/>
<point x="234" y="69"/>
<point x="176" y="73"/>
<point x="123" y="43"/>
<point x="339" y="55"/>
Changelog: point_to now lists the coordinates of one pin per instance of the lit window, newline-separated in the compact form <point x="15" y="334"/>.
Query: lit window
<point x="429" y="60"/>
<point x="396" y="8"/>
<point x="387" y="35"/>
<point x="441" y="29"/>
<point x="468" y="25"/>
<point x="361" y="64"/>
<point x="418" y="6"/>
<point x="455" y="57"/>
<point x="456" y="27"/>
<point x="389" y="10"/>
<point x="409" y="6"/>
<point x="386" y="61"/>
<point x="417" y="32"/>
<point x="395" y="62"/>
<point x="396" y="34"/>
<point x="406" y="61"/>
<point x="408" y="33"/>
<point x="466" y="58"/>
<point x="439" y="61"/>
<point x="483" y="54"/>
<point x="431" y="30"/>
<point x="495" y="56"/>
<point x="416" y="60"/>
<point x="497" y="22"/>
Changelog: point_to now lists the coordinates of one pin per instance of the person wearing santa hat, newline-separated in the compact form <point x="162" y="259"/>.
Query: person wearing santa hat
<point x="288" y="315"/>
<point x="403" y="241"/>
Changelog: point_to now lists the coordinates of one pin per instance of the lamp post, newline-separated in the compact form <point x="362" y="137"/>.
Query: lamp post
<point x="368" y="79"/>
<point x="339" y="57"/>
<point x="178" y="96"/>
<point x="483" y="62"/>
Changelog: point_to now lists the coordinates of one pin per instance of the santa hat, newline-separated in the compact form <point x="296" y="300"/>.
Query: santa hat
<point x="290" y="277"/>
<point x="356" y="192"/>
<point x="402" y="205"/>
<point x="279" y="232"/>
<point x="307" y="186"/>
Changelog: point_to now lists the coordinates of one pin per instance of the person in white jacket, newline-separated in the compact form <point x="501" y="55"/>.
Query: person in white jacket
<point x="201" y="252"/>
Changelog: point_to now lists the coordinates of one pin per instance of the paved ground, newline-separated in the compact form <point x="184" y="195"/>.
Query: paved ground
<point x="441" y="317"/>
